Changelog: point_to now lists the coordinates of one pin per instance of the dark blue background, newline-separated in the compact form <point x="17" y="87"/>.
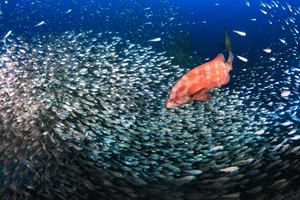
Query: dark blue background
<point x="128" y="18"/>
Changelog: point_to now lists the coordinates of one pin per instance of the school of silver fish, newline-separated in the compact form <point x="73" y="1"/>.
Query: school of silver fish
<point x="83" y="117"/>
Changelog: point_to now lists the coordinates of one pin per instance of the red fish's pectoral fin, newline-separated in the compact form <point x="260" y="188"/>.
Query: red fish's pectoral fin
<point x="202" y="95"/>
<point x="198" y="93"/>
<point x="224" y="81"/>
<point x="205" y="97"/>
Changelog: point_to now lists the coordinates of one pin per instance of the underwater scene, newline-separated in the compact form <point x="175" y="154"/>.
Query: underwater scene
<point x="149" y="99"/>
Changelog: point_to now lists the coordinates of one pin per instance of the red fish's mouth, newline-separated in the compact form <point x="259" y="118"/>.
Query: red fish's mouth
<point x="170" y="104"/>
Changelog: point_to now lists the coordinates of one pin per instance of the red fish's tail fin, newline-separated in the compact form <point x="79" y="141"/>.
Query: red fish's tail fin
<point x="230" y="59"/>
<point x="222" y="45"/>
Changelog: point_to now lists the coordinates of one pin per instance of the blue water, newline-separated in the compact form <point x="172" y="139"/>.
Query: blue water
<point x="127" y="17"/>
<point x="167" y="17"/>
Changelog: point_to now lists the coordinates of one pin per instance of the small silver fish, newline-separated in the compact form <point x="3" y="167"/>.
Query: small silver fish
<point x="154" y="40"/>
<point x="7" y="34"/>
<point x="39" y="24"/>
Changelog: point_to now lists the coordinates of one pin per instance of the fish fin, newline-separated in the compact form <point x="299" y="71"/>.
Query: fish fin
<point x="222" y="45"/>
<point x="220" y="58"/>
<point x="225" y="80"/>
<point x="230" y="59"/>
<point x="205" y="97"/>
<point x="196" y="94"/>
<point x="202" y="95"/>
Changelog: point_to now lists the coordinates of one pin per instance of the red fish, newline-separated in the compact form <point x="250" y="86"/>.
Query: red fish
<point x="195" y="84"/>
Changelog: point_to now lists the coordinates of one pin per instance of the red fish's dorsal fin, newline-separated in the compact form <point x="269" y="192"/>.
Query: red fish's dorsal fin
<point x="220" y="58"/>
<point x="225" y="80"/>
